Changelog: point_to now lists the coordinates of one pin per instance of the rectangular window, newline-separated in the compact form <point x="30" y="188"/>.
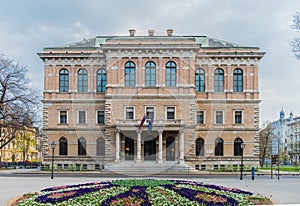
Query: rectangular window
<point x="170" y="77"/>
<point x="100" y="117"/>
<point x="129" y="113"/>
<point x="150" y="112"/>
<point x="203" y="167"/>
<point x="150" y="74"/>
<point x="63" y="117"/>
<point x="170" y="112"/>
<point x="219" y="117"/>
<point x="238" y="117"/>
<point x="200" y="117"/>
<point x="81" y="117"/>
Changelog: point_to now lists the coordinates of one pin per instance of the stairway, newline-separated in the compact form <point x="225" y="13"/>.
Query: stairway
<point x="147" y="168"/>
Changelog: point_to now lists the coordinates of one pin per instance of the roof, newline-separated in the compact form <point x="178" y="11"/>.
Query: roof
<point x="202" y="41"/>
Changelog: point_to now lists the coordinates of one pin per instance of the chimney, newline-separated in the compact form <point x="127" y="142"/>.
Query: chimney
<point x="170" y="32"/>
<point x="151" y="32"/>
<point x="131" y="32"/>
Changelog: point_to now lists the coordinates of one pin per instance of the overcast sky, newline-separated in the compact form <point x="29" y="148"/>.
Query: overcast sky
<point x="27" y="26"/>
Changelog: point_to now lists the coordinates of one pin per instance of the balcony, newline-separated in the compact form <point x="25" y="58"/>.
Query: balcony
<point x="158" y="124"/>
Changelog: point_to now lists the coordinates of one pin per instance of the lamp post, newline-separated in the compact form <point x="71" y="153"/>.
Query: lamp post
<point x="242" y="155"/>
<point x="53" y="147"/>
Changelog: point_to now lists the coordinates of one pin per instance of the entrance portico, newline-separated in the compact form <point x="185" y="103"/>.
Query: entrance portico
<point x="161" y="144"/>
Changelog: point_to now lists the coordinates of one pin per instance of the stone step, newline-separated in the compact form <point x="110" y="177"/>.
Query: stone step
<point x="144" y="168"/>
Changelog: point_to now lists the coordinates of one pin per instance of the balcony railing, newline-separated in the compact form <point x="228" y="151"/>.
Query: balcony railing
<point x="156" y="122"/>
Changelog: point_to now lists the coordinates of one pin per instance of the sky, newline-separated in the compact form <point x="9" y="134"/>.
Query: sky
<point x="28" y="26"/>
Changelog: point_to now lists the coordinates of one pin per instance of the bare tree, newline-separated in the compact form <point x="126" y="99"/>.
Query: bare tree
<point x="19" y="103"/>
<point x="265" y="143"/>
<point x="296" y="42"/>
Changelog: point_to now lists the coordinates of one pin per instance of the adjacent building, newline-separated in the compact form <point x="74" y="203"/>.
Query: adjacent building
<point x="293" y="140"/>
<point x="199" y="97"/>
<point x="279" y="131"/>
<point x="286" y="131"/>
<point x="23" y="148"/>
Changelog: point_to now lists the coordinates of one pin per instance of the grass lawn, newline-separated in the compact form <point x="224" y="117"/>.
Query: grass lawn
<point x="283" y="168"/>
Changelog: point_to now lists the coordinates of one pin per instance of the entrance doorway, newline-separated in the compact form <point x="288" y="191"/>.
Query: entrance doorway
<point x="170" y="149"/>
<point x="150" y="150"/>
<point x="129" y="149"/>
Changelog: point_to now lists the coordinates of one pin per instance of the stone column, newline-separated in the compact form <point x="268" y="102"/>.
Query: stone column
<point x="117" y="145"/>
<point x="138" y="153"/>
<point x="160" y="146"/>
<point x="181" y="147"/>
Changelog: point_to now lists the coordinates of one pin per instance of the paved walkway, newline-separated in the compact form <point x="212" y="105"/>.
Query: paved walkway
<point x="283" y="191"/>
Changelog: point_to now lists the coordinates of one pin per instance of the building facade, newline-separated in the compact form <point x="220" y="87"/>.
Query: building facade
<point x="279" y="132"/>
<point x="285" y="138"/>
<point x="199" y="97"/>
<point x="293" y="140"/>
<point x="23" y="148"/>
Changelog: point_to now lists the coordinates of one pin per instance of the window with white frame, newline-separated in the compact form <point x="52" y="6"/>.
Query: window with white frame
<point x="150" y="112"/>
<point x="238" y="117"/>
<point x="129" y="113"/>
<point x="81" y="117"/>
<point x="200" y="117"/>
<point x="63" y="117"/>
<point x="170" y="112"/>
<point x="100" y="117"/>
<point x="171" y="74"/>
<point x="219" y="117"/>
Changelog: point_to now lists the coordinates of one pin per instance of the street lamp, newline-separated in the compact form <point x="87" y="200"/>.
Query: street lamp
<point x="53" y="147"/>
<point x="242" y="150"/>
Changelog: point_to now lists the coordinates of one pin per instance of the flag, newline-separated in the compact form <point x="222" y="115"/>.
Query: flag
<point x="150" y="124"/>
<point x="142" y="121"/>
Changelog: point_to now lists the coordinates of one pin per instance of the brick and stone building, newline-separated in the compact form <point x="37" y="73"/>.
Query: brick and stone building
<point x="201" y="93"/>
<point x="293" y="139"/>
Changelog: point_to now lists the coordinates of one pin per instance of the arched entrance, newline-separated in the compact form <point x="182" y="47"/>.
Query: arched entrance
<point x="150" y="148"/>
<point x="170" y="149"/>
<point x="129" y="149"/>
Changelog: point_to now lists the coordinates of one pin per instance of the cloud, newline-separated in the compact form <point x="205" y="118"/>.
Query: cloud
<point x="26" y="27"/>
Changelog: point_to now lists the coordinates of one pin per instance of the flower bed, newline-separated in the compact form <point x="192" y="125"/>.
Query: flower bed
<point x="142" y="192"/>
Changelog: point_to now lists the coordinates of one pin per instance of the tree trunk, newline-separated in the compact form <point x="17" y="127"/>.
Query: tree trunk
<point x="264" y="152"/>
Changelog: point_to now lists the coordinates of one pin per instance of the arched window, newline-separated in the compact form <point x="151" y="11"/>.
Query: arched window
<point x="63" y="80"/>
<point x="219" y="80"/>
<point x="171" y="74"/>
<point x="238" y="80"/>
<point x="150" y="74"/>
<point x="63" y="146"/>
<point x="82" y="80"/>
<point x="100" y="147"/>
<point x="200" y="147"/>
<point x="200" y="80"/>
<point x="219" y="147"/>
<point x="129" y="74"/>
<point x="101" y="80"/>
<point x="81" y="146"/>
<point x="237" y="146"/>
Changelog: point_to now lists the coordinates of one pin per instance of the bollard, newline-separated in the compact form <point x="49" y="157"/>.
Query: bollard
<point x="252" y="173"/>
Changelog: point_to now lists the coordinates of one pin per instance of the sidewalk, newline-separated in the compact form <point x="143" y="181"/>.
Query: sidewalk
<point x="283" y="191"/>
<point x="99" y="172"/>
